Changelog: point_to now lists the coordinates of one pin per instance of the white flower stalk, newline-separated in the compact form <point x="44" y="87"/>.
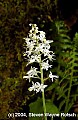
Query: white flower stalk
<point x="52" y="76"/>
<point x="37" y="44"/>
<point x="38" y="50"/>
<point x="37" y="87"/>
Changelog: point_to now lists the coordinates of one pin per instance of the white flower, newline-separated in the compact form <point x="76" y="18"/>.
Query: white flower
<point x="48" y="41"/>
<point x="46" y="46"/>
<point x="31" y="73"/>
<point x="51" y="55"/>
<point x="28" y="53"/>
<point x="27" y="39"/>
<point x="45" y="65"/>
<point x="30" y="24"/>
<point x="24" y="54"/>
<point x="27" y="77"/>
<point x="40" y="87"/>
<point x="30" y="45"/>
<point x="30" y="35"/>
<point x="52" y="76"/>
<point x="43" y="48"/>
<point x="33" y="31"/>
<point x="37" y="87"/>
<point x="46" y="52"/>
<point x="34" y="58"/>
<point x="33" y="87"/>
<point x="39" y="48"/>
<point x="31" y="59"/>
<point x="34" y="37"/>
<point x="42" y="35"/>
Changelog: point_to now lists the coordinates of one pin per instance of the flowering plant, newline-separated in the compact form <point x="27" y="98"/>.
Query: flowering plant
<point x="38" y="50"/>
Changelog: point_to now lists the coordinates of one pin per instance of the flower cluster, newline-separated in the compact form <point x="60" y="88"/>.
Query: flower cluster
<point x="37" y="50"/>
<point x="36" y="45"/>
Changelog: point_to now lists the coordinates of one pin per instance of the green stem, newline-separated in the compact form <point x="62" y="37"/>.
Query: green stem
<point x="43" y="96"/>
<point x="42" y="82"/>
<point x="70" y="85"/>
<point x="67" y="102"/>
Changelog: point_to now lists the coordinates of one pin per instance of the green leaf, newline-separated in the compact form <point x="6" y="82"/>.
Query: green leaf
<point x="52" y="86"/>
<point x="63" y="94"/>
<point x="61" y="104"/>
<point x="36" y="108"/>
<point x="50" y="107"/>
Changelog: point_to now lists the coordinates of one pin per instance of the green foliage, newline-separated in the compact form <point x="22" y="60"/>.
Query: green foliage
<point x="9" y="102"/>
<point x="66" y="50"/>
<point x="51" y="108"/>
<point x="37" y="107"/>
<point x="69" y="68"/>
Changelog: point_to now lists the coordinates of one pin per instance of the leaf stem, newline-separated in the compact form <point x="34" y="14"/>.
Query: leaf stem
<point x="43" y="96"/>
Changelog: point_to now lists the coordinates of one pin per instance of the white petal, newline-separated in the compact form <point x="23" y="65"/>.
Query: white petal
<point x="25" y="76"/>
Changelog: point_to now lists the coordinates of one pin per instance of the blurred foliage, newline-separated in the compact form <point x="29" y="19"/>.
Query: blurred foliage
<point x="14" y="26"/>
